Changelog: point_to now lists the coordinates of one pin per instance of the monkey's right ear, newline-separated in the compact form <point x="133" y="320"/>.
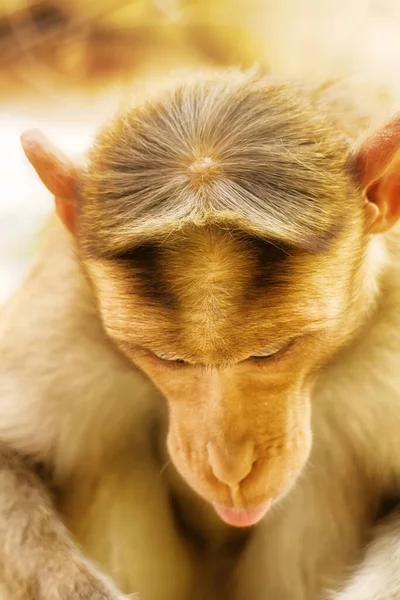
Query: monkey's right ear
<point x="57" y="172"/>
<point x="378" y="165"/>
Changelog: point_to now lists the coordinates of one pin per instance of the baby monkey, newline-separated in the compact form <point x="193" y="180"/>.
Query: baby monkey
<point x="200" y="383"/>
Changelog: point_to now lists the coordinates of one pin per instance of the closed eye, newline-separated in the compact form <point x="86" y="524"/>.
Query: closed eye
<point x="269" y="354"/>
<point x="273" y="352"/>
<point x="169" y="358"/>
<point x="265" y="356"/>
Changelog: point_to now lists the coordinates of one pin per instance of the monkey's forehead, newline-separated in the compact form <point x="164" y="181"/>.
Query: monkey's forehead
<point x="216" y="288"/>
<point x="279" y="166"/>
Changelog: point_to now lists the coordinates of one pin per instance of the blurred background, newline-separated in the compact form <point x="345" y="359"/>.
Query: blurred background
<point x="66" y="65"/>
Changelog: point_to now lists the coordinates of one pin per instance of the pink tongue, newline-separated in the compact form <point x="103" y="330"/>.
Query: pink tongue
<point x="245" y="517"/>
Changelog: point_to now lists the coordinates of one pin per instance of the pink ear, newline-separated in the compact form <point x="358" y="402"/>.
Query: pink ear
<point x="378" y="163"/>
<point x="57" y="172"/>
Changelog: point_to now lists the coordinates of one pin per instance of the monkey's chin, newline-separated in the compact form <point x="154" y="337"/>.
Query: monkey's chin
<point x="242" y="517"/>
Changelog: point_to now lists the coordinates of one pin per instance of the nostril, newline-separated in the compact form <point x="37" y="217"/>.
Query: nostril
<point x="231" y="467"/>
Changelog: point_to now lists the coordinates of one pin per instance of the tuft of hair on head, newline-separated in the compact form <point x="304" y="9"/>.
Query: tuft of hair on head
<point x="227" y="148"/>
<point x="204" y="169"/>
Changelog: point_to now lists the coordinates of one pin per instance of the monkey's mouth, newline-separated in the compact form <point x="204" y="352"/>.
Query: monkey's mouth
<point x="242" y="517"/>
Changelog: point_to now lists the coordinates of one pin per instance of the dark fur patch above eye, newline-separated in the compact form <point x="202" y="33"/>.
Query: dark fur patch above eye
<point x="272" y="252"/>
<point x="272" y="266"/>
<point x="146" y="265"/>
<point x="388" y="504"/>
<point x="144" y="255"/>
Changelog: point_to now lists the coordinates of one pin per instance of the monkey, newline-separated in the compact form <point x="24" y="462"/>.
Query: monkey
<point x="199" y="375"/>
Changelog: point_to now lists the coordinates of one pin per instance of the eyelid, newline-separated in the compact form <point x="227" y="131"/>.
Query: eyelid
<point x="168" y="357"/>
<point x="275" y="350"/>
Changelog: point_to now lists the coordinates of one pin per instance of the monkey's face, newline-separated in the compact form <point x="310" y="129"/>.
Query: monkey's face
<point x="231" y="330"/>
<point x="233" y="333"/>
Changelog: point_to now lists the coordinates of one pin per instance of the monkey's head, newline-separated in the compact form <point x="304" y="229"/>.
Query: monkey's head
<point x="227" y="229"/>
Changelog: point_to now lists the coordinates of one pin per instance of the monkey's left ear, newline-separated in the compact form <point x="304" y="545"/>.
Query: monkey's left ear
<point x="378" y="163"/>
<point x="57" y="172"/>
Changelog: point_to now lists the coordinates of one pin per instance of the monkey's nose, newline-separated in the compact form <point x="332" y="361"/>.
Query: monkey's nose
<point x="231" y="468"/>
